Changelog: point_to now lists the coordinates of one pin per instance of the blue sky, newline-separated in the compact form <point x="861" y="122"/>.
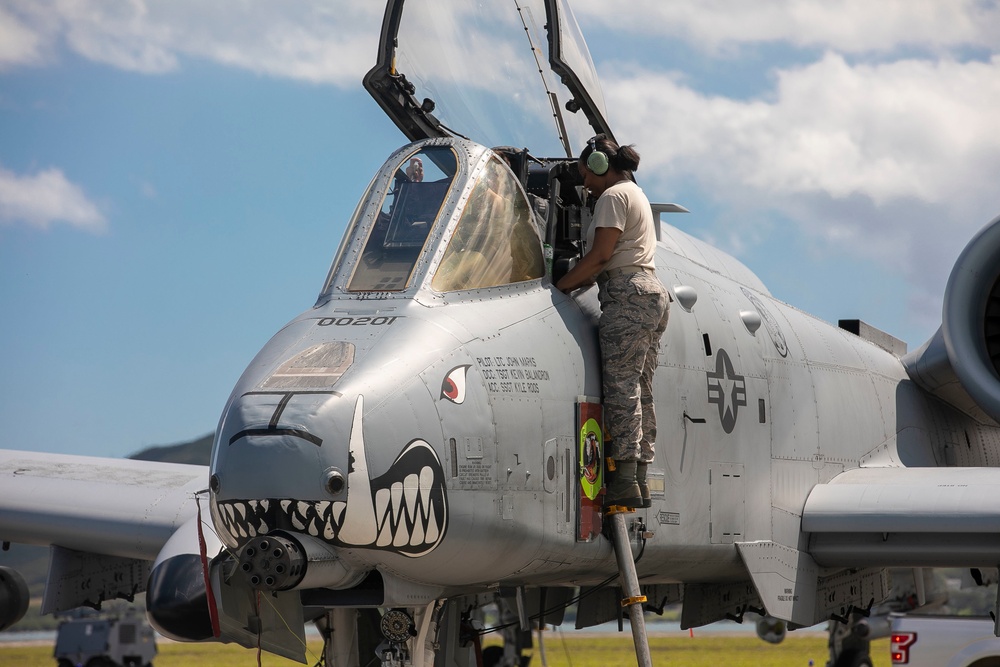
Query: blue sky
<point x="175" y="177"/>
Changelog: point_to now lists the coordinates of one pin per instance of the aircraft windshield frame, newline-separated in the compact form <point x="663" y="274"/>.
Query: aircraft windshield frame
<point x="496" y="241"/>
<point x="477" y="70"/>
<point x="445" y="213"/>
<point x="409" y="206"/>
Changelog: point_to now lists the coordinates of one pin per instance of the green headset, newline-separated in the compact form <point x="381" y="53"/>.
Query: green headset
<point x="598" y="161"/>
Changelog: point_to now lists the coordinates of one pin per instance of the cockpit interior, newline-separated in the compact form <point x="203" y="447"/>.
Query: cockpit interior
<point x="475" y="217"/>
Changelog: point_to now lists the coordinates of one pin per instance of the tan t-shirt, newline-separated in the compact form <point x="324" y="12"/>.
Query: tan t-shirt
<point x="624" y="206"/>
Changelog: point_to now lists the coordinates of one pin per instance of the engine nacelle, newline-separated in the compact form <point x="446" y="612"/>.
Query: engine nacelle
<point x="13" y="597"/>
<point x="972" y="318"/>
<point x="961" y="362"/>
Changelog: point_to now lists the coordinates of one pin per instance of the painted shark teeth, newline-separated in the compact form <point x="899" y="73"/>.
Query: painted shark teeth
<point x="404" y="510"/>
<point x="409" y="511"/>
<point x="405" y="515"/>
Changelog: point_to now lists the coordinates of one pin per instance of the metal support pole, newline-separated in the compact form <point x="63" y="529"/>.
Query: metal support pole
<point x="341" y="637"/>
<point x="630" y="584"/>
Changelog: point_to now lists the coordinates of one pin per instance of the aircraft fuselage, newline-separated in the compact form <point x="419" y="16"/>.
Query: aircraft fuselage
<point x="436" y="436"/>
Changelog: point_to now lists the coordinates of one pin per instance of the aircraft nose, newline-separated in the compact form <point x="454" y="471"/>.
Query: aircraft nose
<point x="272" y="440"/>
<point x="299" y="463"/>
<point x="276" y="448"/>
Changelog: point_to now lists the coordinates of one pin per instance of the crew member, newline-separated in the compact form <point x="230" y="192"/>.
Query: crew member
<point x="621" y="245"/>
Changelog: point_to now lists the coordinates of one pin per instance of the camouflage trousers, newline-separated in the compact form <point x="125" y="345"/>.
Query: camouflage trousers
<point x="634" y="312"/>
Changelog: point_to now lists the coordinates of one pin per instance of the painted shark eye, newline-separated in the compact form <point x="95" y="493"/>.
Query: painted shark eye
<point x="335" y="482"/>
<point x="453" y="385"/>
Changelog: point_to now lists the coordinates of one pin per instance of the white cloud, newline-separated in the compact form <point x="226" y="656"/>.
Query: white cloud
<point x="896" y="162"/>
<point x="846" y="25"/>
<point x="920" y="130"/>
<point x="311" y="41"/>
<point x="318" y="41"/>
<point x="45" y="198"/>
<point x="19" y="44"/>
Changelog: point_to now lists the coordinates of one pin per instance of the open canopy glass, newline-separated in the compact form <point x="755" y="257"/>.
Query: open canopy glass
<point x="511" y="73"/>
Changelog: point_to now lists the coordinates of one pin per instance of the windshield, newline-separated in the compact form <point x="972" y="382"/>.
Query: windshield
<point x="408" y="211"/>
<point x="496" y="241"/>
<point x="482" y="70"/>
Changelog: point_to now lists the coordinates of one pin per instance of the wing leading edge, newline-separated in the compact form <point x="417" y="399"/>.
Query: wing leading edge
<point x="905" y="517"/>
<point x="114" y="507"/>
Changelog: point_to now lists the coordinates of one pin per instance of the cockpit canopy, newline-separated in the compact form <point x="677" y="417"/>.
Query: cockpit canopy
<point x="496" y="241"/>
<point x="445" y="214"/>
<point x="447" y="205"/>
<point x="500" y="73"/>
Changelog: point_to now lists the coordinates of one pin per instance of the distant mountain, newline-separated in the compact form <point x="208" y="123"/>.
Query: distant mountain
<point x="197" y="452"/>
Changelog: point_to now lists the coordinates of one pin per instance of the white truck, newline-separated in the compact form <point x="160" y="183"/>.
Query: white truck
<point x="105" y="641"/>
<point x="919" y="640"/>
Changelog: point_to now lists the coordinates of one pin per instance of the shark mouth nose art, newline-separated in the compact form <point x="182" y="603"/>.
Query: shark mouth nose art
<point x="404" y="510"/>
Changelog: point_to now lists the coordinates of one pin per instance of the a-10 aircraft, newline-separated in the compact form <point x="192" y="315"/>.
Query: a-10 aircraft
<point x="426" y="440"/>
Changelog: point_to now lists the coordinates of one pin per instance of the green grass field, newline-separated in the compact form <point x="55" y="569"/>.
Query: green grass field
<point x="561" y="650"/>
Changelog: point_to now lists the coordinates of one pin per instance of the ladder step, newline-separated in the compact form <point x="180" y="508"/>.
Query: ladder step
<point x="637" y="599"/>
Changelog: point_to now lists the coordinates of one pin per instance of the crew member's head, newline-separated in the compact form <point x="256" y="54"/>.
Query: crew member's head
<point x="415" y="171"/>
<point x="604" y="163"/>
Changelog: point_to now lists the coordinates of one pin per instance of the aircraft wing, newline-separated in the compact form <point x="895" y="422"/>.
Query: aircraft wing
<point x="113" y="507"/>
<point x="868" y="519"/>
<point x="105" y="519"/>
<point x="903" y="516"/>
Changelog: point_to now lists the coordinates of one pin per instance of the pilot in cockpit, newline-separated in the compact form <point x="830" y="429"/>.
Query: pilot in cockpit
<point x="415" y="170"/>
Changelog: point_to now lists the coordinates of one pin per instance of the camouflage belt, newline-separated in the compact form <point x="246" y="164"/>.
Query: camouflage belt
<point x="622" y="271"/>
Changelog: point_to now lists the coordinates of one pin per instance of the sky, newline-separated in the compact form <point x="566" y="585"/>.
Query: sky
<point x="175" y="176"/>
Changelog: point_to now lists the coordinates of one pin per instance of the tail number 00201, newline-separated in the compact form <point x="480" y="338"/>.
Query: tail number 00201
<point x="357" y="321"/>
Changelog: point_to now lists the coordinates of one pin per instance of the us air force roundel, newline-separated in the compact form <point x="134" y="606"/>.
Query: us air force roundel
<point x="726" y="389"/>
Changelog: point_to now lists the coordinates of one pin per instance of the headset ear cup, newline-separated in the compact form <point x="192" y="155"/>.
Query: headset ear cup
<point x="597" y="162"/>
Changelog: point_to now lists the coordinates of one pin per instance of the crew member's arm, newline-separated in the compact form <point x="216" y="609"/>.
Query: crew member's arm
<point x="592" y="263"/>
